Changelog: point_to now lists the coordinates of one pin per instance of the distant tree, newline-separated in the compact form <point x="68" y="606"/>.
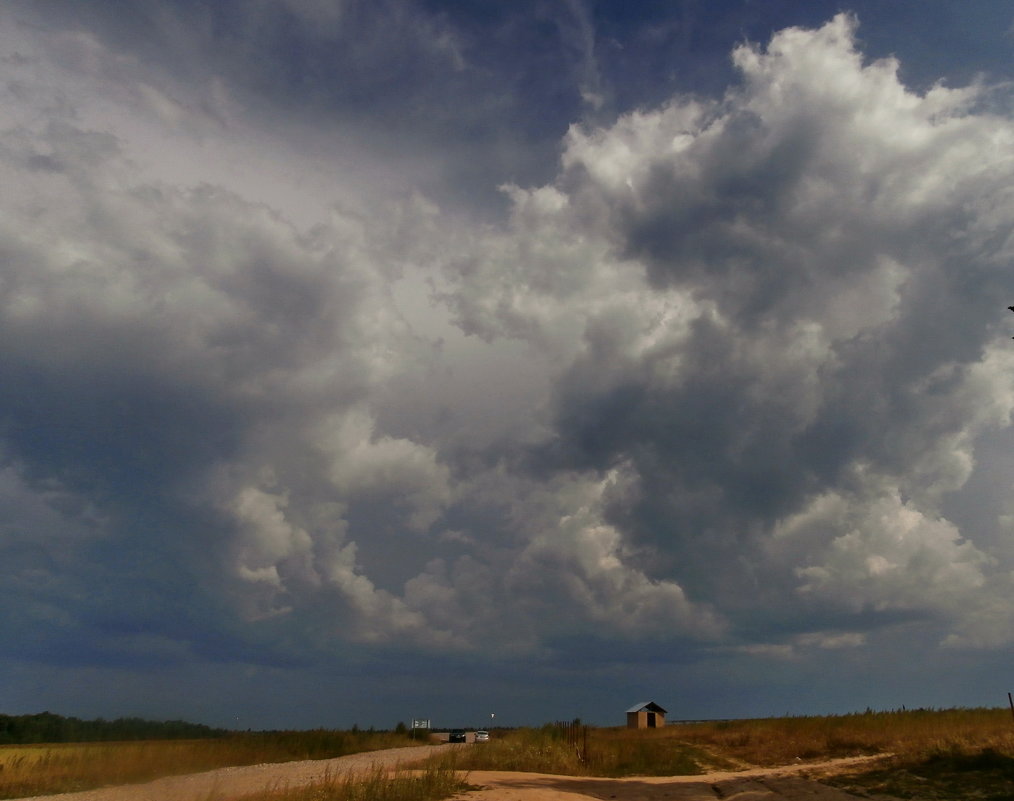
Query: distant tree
<point x="45" y="727"/>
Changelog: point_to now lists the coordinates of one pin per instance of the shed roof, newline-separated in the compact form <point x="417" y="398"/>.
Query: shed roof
<point x="651" y="706"/>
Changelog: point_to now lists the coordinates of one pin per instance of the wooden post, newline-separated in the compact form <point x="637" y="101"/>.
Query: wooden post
<point x="1011" y="702"/>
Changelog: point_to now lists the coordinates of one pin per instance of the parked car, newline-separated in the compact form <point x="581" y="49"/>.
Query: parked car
<point x="482" y="736"/>
<point x="457" y="736"/>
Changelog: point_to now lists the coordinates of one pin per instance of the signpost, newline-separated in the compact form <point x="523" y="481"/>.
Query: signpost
<point x="419" y="723"/>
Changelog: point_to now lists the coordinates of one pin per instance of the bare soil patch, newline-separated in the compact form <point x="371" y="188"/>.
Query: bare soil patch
<point x="753" y="784"/>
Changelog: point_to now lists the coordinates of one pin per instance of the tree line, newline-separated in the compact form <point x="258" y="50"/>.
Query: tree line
<point x="46" y="727"/>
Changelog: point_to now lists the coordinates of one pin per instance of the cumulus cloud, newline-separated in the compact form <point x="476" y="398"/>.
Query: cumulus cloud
<point x="575" y="558"/>
<point x="768" y="305"/>
<point x="159" y="338"/>
<point x="396" y="468"/>
<point x="894" y="556"/>
<point x="713" y="383"/>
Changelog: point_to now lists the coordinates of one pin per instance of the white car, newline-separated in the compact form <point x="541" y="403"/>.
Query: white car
<point x="482" y="736"/>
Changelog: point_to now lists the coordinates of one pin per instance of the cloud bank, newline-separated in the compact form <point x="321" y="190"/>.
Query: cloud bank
<point x="724" y="384"/>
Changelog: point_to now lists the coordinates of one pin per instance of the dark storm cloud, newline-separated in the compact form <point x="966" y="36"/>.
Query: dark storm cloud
<point x="710" y="392"/>
<point x="440" y="94"/>
<point x="146" y="335"/>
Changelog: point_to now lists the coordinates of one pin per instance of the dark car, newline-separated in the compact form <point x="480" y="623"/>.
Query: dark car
<point x="457" y="736"/>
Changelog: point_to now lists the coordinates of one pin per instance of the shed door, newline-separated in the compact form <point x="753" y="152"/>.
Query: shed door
<point x="651" y="720"/>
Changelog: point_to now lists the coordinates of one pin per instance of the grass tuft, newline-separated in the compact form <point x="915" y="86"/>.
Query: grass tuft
<point x="434" y="783"/>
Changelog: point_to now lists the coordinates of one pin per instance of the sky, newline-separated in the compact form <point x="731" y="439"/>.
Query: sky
<point x="369" y="360"/>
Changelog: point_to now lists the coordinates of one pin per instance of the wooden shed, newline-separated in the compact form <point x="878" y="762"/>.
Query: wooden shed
<point x="646" y="715"/>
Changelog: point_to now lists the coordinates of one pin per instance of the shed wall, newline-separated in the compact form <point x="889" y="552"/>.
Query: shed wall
<point x="643" y="719"/>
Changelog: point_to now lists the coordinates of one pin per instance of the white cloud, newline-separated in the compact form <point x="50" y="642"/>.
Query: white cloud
<point x="396" y="469"/>
<point x="882" y="553"/>
<point x="575" y="558"/>
<point x="268" y="538"/>
<point x="832" y="640"/>
<point x="770" y="305"/>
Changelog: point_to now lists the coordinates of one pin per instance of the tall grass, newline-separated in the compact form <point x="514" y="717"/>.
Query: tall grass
<point x="955" y="741"/>
<point x="606" y="752"/>
<point x="432" y="784"/>
<point x="962" y="736"/>
<point x="27" y="770"/>
<point x="531" y="750"/>
<point x="910" y="735"/>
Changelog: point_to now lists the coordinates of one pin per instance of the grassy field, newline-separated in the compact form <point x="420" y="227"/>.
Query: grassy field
<point x="949" y="754"/>
<point x="910" y="735"/>
<point x="605" y="752"/>
<point x="27" y="770"/>
<point x="956" y="754"/>
<point x="945" y="755"/>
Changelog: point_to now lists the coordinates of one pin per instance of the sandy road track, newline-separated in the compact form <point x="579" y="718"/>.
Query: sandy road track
<point x="789" y="783"/>
<point x="754" y="784"/>
<point x="231" y="783"/>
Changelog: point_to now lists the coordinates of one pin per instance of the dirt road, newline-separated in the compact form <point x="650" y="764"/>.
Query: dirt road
<point x="754" y="784"/>
<point x="232" y="783"/>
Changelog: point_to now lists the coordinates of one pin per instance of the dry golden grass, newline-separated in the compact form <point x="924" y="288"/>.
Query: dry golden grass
<point x="941" y="753"/>
<point x="27" y="770"/>
<point x="606" y="752"/>
<point x="948" y="755"/>
<point x="432" y="784"/>
<point x="944" y="755"/>
<point x="909" y="735"/>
